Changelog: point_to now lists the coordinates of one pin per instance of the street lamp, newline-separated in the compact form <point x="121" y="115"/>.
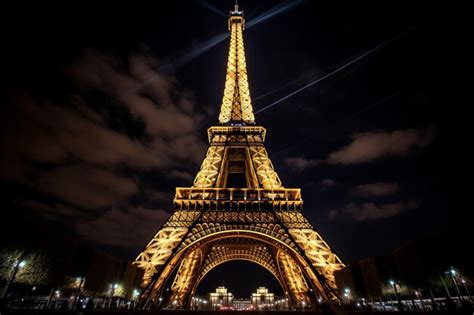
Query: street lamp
<point x="394" y="286"/>
<point x="136" y="294"/>
<point x="347" y="294"/>
<point x="78" y="291"/>
<point x="467" y="290"/>
<point x="419" y="297"/>
<point x="452" y="273"/>
<point x="112" y="294"/>
<point x="17" y="266"/>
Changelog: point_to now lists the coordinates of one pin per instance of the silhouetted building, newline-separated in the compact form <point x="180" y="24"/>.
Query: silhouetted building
<point x="376" y="273"/>
<point x="420" y="261"/>
<point x="413" y="266"/>
<point x="366" y="278"/>
<point x="350" y="282"/>
<point x="59" y="263"/>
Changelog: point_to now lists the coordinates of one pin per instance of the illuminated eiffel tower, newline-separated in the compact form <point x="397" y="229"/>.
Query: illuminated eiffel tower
<point x="237" y="209"/>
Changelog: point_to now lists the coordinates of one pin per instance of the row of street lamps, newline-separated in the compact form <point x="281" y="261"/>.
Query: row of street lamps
<point x="451" y="272"/>
<point x="198" y="302"/>
<point x="19" y="264"/>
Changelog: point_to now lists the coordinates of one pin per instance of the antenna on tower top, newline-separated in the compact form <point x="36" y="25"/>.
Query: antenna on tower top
<point x="236" y="9"/>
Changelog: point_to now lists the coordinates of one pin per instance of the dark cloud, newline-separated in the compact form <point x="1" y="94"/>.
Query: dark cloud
<point x="160" y="197"/>
<point x="168" y="114"/>
<point x="89" y="168"/>
<point x="327" y="182"/>
<point x="54" y="212"/>
<point x="372" y="211"/>
<point x="87" y="187"/>
<point x="130" y="228"/>
<point x="376" y="189"/>
<point x="300" y="163"/>
<point x="181" y="175"/>
<point x="332" y="214"/>
<point x="369" y="146"/>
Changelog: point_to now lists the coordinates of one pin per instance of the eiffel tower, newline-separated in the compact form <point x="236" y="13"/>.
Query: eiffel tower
<point x="237" y="209"/>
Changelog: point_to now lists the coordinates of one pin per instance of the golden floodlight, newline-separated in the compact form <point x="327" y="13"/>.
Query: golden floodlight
<point x="237" y="209"/>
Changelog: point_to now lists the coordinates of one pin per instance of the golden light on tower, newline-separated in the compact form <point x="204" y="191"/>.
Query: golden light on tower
<point x="237" y="209"/>
<point x="236" y="103"/>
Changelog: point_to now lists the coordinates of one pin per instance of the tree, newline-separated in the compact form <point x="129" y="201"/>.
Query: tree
<point x="33" y="272"/>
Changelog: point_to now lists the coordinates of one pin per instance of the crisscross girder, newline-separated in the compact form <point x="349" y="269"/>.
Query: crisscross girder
<point x="236" y="103"/>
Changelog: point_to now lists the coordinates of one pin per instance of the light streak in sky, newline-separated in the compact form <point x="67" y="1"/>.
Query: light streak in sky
<point x="276" y="10"/>
<point x="202" y="47"/>
<point x="212" y="8"/>
<point x="208" y="44"/>
<point x="317" y="80"/>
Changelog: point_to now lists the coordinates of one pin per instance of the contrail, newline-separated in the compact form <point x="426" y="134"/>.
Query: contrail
<point x="302" y="78"/>
<point x="330" y="73"/>
<point x="274" y="90"/>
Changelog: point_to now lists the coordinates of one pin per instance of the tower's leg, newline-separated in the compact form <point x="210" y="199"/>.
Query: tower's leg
<point x="185" y="277"/>
<point x="294" y="279"/>
<point x="318" y="252"/>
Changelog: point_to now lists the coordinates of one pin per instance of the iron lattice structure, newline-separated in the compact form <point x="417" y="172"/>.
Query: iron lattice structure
<point x="237" y="209"/>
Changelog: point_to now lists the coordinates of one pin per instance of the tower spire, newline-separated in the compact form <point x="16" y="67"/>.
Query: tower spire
<point x="236" y="105"/>
<point x="236" y="6"/>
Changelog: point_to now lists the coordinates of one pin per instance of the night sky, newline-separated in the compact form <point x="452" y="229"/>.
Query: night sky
<point x="106" y="111"/>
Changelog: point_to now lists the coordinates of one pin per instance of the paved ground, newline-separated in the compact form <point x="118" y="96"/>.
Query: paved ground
<point x="167" y="312"/>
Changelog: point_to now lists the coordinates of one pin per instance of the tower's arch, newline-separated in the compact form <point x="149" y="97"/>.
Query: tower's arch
<point x="267" y="245"/>
<point x="252" y="252"/>
<point x="246" y="251"/>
